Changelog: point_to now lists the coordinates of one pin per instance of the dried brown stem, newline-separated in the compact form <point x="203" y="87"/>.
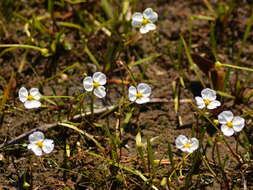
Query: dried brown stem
<point x="45" y="127"/>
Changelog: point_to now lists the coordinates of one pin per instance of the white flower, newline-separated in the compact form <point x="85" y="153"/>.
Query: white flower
<point x="38" y="143"/>
<point x="95" y="84"/>
<point x="207" y="99"/>
<point x="229" y="123"/>
<point x="31" y="99"/>
<point x="139" y="95"/>
<point x="187" y="145"/>
<point x="145" y="21"/>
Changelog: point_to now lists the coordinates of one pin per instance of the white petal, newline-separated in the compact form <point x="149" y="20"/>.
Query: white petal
<point x="135" y="23"/>
<point x="37" y="150"/>
<point x="138" y="17"/>
<point x="238" y="123"/>
<point x="29" y="104"/>
<point x="238" y="120"/>
<point x="100" y="92"/>
<point x="200" y="102"/>
<point x="227" y="131"/>
<point x="209" y="94"/>
<point x="144" y="29"/>
<point x="35" y="93"/>
<point x="142" y="100"/>
<point x="213" y="104"/>
<point x="150" y="15"/>
<point x="180" y="141"/>
<point x="195" y="144"/>
<point x="48" y="146"/>
<point x="99" y="78"/>
<point x="30" y="146"/>
<point x="186" y="149"/>
<point x="36" y="136"/>
<point x="88" y="83"/>
<point x="144" y="89"/>
<point x="151" y="26"/>
<point x="132" y="93"/>
<point x="225" y="116"/>
<point x="22" y="94"/>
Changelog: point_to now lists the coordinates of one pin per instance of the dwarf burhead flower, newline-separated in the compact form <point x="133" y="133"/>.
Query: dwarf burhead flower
<point x="31" y="98"/>
<point x="95" y="84"/>
<point x="207" y="99"/>
<point x="187" y="145"/>
<point x="141" y="94"/>
<point x="230" y="123"/>
<point x="38" y="143"/>
<point x="145" y="21"/>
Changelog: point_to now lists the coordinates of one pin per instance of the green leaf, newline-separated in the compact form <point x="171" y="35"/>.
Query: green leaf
<point x="145" y="59"/>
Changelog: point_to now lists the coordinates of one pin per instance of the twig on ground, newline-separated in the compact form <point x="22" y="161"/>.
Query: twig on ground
<point x="45" y="127"/>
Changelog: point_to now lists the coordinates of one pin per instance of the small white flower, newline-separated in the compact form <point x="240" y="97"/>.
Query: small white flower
<point x="145" y="21"/>
<point x="141" y="94"/>
<point x="187" y="145"/>
<point x="38" y="143"/>
<point x="95" y="84"/>
<point x="31" y="99"/>
<point x="229" y="123"/>
<point x="207" y="99"/>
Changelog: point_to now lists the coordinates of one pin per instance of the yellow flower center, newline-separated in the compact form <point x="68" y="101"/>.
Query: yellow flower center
<point x="139" y="95"/>
<point x="30" y="97"/>
<point x="187" y="145"/>
<point x="95" y="84"/>
<point x="229" y="124"/>
<point x="39" y="144"/>
<point x="207" y="102"/>
<point x="145" y="21"/>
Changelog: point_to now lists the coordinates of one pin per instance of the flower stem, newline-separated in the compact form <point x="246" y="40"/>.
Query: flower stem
<point x="237" y="157"/>
<point x="44" y="51"/>
<point x="178" y="165"/>
<point x="219" y="64"/>
<point x="121" y="63"/>
<point x="92" y="106"/>
<point x="58" y="97"/>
